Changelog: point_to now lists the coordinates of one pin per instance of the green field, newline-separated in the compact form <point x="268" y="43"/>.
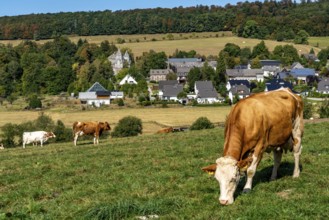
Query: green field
<point x="157" y="175"/>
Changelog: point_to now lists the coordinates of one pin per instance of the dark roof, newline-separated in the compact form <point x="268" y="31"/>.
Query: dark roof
<point x="184" y="60"/>
<point x="240" y="90"/>
<point x="172" y="90"/>
<point x="270" y="62"/>
<point x="239" y="82"/>
<point x="103" y="93"/>
<point x="275" y="84"/>
<point x="167" y="82"/>
<point x="206" y="89"/>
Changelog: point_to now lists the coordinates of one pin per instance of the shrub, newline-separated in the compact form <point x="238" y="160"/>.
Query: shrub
<point x="324" y="109"/>
<point x="9" y="131"/>
<point x="202" y="123"/>
<point x="62" y="134"/>
<point x="120" y="102"/>
<point x="308" y="109"/>
<point x="128" y="126"/>
<point x="35" y="102"/>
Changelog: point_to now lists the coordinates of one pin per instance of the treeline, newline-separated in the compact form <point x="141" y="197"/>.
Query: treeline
<point x="269" y="19"/>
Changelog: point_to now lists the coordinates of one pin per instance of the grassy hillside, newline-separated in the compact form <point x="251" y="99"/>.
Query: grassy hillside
<point x="207" y="43"/>
<point x="159" y="175"/>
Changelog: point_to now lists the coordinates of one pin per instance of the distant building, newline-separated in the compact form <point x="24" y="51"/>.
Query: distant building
<point x="205" y="92"/>
<point x="275" y="84"/>
<point x="323" y="86"/>
<point x="127" y="80"/>
<point x="159" y="74"/>
<point x="96" y="95"/>
<point x="118" y="60"/>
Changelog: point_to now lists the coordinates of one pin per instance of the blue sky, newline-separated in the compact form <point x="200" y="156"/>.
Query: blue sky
<point x="21" y="7"/>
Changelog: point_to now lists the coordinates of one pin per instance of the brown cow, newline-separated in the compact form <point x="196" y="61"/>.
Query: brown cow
<point x="89" y="128"/>
<point x="165" y="130"/>
<point x="265" y="121"/>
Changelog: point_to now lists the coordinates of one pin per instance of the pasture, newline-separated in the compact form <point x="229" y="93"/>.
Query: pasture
<point x="123" y="178"/>
<point x="204" y="43"/>
<point x="152" y="118"/>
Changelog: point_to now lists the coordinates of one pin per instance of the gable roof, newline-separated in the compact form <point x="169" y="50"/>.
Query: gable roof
<point x="244" y="72"/>
<point x="240" y="90"/>
<point x="184" y="60"/>
<point x="172" y="90"/>
<point x="206" y="89"/>
<point x="97" y="87"/>
<point x="239" y="82"/>
<point x="167" y="82"/>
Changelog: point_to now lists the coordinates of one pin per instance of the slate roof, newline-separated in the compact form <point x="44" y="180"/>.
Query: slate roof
<point x="172" y="90"/>
<point x="277" y="84"/>
<point x="167" y="82"/>
<point x="270" y="62"/>
<point x="244" y="72"/>
<point x="206" y="89"/>
<point x="239" y="82"/>
<point x="240" y="90"/>
<point x="184" y="60"/>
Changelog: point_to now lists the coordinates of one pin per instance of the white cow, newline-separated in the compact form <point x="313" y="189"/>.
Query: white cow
<point x="36" y="136"/>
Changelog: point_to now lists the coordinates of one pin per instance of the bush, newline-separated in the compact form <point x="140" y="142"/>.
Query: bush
<point x="35" y="102"/>
<point x="62" y="134"/>
<point x="324" y="109"/>
<point x="128" y="126"/>
<point x="9" y="131"/>
<point x="308" y="109"/>
<point x="202" y="123"/>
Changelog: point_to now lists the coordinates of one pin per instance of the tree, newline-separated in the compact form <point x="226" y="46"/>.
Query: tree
<point x="301" y="37"/>
<point x="260" y="51"/>
<point x="193" y="75"/>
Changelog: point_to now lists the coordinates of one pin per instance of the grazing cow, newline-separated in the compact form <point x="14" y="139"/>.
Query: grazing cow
<point x="89" y="128"/>
<point x="37" y="136"/>
<point x="165" y="130"/>
<point x="262" y="122"/>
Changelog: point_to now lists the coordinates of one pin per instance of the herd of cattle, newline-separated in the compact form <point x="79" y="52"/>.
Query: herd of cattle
<point x="79" y="129"/>
<point x="269" y="121"/>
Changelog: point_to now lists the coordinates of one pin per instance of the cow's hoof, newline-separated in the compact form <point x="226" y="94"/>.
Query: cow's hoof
<point x="246" y="190"/>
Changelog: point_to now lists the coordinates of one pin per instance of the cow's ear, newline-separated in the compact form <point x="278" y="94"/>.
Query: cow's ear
<point x="244" y="164"/>
<point x="211" y="169"/>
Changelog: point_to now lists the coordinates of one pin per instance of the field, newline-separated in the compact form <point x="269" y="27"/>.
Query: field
<point x="152" y="118"/>
<point x="160" y="175"/>
<point x="207" y="43"/>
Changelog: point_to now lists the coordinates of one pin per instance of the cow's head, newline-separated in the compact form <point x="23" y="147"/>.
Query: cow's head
<point x="107" y="126"/>
<point x="227" y="172"/>
<point x="50" y="135"/>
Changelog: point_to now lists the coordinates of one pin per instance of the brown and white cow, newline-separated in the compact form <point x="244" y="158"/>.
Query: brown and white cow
<point x="165" y="130"/>
<point x="89" y="128"/>
<point x="36" y="136"/>
<point x="265" y="121"/>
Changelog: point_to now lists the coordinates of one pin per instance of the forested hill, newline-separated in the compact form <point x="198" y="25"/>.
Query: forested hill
<point x="272" y="19"/>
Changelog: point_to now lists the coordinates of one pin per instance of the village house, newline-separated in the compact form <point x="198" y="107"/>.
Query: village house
<point x="159" y="74"/>
<point x="277" y="84"/>
<point x="231" y="83"/>
<point x="128" y="79"/>
<point x="205" y="92"/>
<point x="240" y="91"/>
<point x="270" y="67"/>
<point x="164" y="83"/>
<point x="245" y="74"/>
<point x="96" y="95"/>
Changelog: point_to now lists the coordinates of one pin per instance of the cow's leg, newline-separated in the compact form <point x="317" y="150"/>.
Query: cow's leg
<point x="76" y="135"/>
<point x="250" y="173"/>
<point x="23" y="144"/>
<point x="297" y="144"/>
<point x="277" y="155"/>
<point x="41" y="143"/>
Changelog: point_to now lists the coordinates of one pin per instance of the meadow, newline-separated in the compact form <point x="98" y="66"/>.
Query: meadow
<point x="152" y="118"/>
<point x="123" y="178"/>
<point x="204" y="43"/>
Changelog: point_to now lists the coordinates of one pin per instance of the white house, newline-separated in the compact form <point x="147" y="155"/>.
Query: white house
<point x="205" y="92"/>
<point x="96" y="95"/>
<point x="127" y="80"/>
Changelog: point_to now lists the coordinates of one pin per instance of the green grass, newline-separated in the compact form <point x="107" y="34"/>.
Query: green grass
<point x="157" y="174"/>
